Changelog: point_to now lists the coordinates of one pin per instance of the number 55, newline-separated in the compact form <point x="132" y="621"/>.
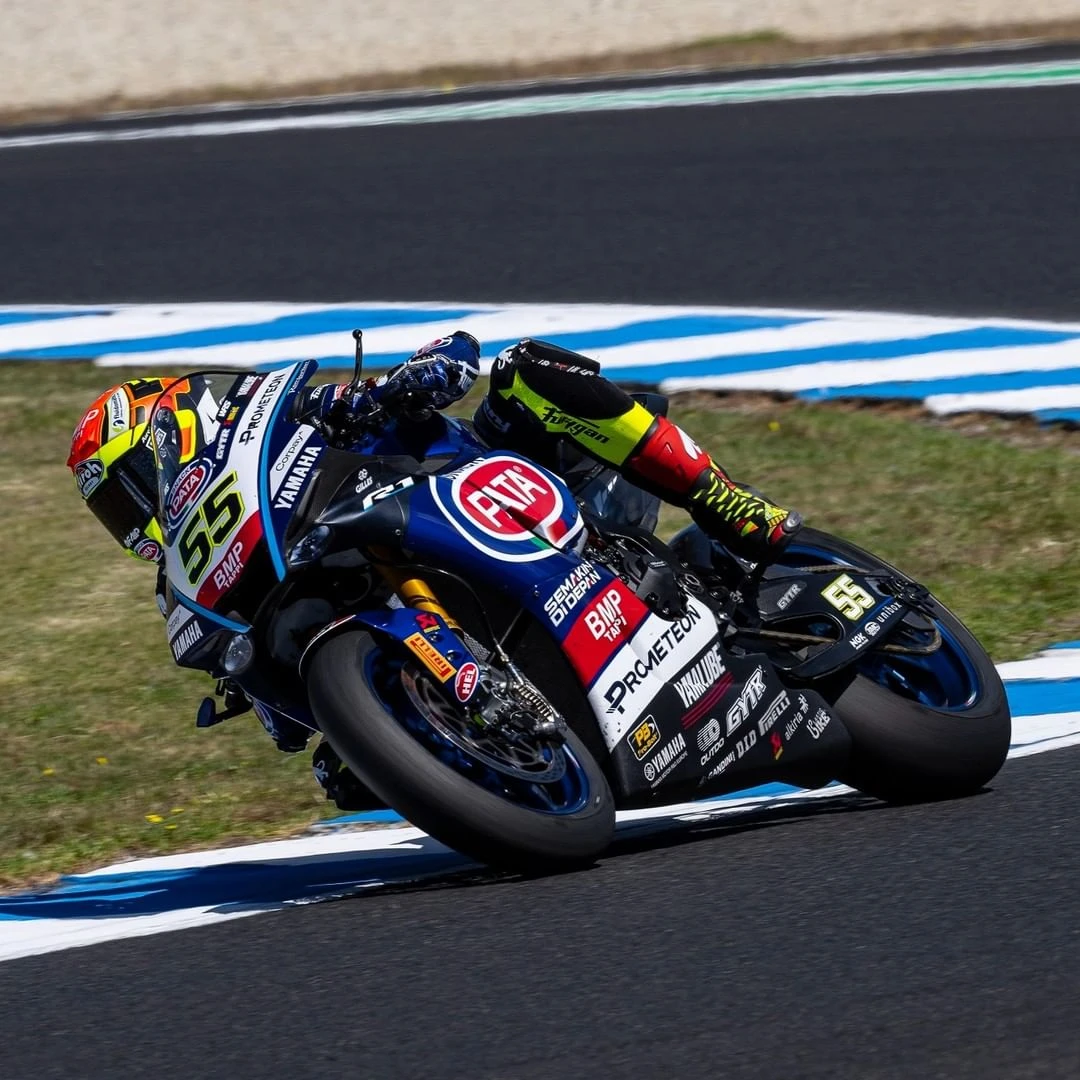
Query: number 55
<point x="849" y="599"/>
<point x="219" y="514"/>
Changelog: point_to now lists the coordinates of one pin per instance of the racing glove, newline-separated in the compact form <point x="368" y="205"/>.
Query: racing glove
<point x="441" y="372"/>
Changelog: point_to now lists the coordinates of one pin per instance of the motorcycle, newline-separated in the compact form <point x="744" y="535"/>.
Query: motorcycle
<point x="506" y="656"/>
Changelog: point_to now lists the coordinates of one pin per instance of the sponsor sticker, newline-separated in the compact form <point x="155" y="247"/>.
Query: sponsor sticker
<point x="465" y="682"/>
<point x="790" y="595"/>
<point x="226" y="573"/>
<point x="604" y="617"/>
<point x="296" y="478"/>
<point x="793" y="724"/>
<point x="185" y="640"/>
<point x="641" y="666"/>
<point x="602" y="628"/>
<point x="287" y="456"/>
<point x="667" y="758"/>
<point x="722" y="766"/>
<point x="180" y="616"/>
<point x="187" y="487"/>
<point x="427" y="622"/>
<point x="262" y="404"/>
<point x="570" y="591"/>
<point x="505" y="499"/>
<point x="148" y="549"/>
<point x="429" y="656"/>
<point x="554" y="420"/>
<point x="508" y="508"/>
<point x="364" y="480"/>
<point x="777" y="707"/>
<point x="701" y="677"/>
<point x="817" y="723"/>
<point x="88" y="474"/>
<point x="710" y="739"/>
<point x="119" y="412"/>
<point x="752" y="692"/>
<point x="644" y="737"/>
<point x="777" y="744"/>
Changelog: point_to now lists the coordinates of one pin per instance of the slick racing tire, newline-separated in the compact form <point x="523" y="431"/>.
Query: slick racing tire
<point x="361" y="711"/>
<point x="921" y="728"/>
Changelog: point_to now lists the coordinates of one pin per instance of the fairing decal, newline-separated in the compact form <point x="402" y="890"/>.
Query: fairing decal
<point x="508" y="508"/>
<point x="640" y="670"/>
<point x="273" y="398"/>
<point x="604" y="623"/>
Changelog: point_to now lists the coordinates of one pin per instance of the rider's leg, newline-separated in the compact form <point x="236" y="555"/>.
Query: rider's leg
<point x="541" y="395"/>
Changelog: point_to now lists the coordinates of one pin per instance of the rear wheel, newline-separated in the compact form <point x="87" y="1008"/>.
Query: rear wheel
<point x="521" y="803"/>
<point x="926" y="726"/>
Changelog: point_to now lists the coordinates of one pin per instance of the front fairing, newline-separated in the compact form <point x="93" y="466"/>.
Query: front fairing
<point x="231" y="470"/>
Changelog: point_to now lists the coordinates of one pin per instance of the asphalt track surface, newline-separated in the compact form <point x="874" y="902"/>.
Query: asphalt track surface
<point x="962" y="203"/>
<point x="857" y="940"/>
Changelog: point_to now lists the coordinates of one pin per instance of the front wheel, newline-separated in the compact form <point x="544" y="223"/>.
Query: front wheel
<point x="922" y="726"/>
<point x="521" y="805"/>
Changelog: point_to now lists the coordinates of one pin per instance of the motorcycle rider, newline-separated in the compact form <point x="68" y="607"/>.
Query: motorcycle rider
<point x="542" y="400"/>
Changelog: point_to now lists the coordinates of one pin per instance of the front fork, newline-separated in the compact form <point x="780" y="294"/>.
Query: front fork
<point x="411" y="589"/>
<point x="499" y="693"/>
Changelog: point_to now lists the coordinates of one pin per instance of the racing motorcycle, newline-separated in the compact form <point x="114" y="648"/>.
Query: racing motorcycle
<point x="506" y="656"/>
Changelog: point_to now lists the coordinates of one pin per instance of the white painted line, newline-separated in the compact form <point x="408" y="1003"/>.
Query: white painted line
<point x="1033" y="399"/>
<point x="927" y="365"/>
<point x="1051" y="664"/>
<point x="809" y="335"/>
<point x="1040" y="734"/>
<point x="734" y="92"/>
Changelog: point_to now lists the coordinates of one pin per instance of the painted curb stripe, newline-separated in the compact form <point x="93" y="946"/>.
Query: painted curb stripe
<point x="951" y="365"/>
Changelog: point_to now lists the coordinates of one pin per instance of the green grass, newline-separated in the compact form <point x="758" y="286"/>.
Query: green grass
<point x="102" y="758"/>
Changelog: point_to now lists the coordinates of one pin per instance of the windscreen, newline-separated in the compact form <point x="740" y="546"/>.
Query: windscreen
<point x="186" y="422"/>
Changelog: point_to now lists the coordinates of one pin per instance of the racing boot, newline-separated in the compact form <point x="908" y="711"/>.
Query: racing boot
<point x="340" y="784"/>
<point x="671" y="464"/>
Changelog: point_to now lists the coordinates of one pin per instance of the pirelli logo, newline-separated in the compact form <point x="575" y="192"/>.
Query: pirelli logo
<point x="430" y="657"/>
<point x="644" y="737"/>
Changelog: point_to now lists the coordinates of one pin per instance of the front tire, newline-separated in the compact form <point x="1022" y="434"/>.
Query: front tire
<point x="361" y="722"/>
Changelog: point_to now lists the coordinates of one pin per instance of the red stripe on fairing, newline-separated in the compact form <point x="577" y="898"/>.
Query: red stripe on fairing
<point x="590" y="655"/>
<point x="248" y="537"/>
<point x="708" y="701"/>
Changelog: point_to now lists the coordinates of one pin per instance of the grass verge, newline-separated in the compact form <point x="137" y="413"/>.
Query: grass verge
<point x="103" y="758"/>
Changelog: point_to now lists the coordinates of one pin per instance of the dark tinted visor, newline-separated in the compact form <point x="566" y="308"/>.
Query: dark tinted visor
<point x="120" y="502"/>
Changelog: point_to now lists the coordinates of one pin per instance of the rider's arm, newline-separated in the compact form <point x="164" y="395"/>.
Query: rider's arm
<point x="435" y="376"/>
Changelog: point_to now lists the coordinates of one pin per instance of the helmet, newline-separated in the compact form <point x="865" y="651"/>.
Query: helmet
<point x="112" y="457"/>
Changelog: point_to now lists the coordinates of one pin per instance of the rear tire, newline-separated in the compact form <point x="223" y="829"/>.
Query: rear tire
<point x="435" y="797"/>
<point x="904" y="750"/>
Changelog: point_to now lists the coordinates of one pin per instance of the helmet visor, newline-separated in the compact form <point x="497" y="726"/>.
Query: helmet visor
<point x="124" y="501"/>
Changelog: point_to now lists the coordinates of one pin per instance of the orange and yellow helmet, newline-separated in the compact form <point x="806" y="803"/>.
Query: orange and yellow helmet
<point x="112" y="458"/>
